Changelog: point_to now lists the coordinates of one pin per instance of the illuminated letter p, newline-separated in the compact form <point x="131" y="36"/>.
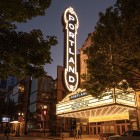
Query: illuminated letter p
<point x="71" y="18"/>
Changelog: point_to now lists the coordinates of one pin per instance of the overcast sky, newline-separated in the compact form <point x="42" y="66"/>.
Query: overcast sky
<point x="50" y="24"/>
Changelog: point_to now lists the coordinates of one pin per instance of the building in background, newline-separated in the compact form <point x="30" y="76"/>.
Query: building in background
<point x="3" y="91"/>
<point x="42" y="100"/>
<point x="83" y="56"/>
<point x="5" y="87"/>
<point x="29" y="106"/>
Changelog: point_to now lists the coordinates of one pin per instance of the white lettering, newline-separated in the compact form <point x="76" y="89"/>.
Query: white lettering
<point x="71" y="42"/>
<point x="70" y="52"/>
<point x="71" y="60"/>
<point x="71" y="26"/>
<point x="71" y="18"/>
<point x="71" y="35"/>
<point x="71" y="79"/>
<point x="71" y="69"/>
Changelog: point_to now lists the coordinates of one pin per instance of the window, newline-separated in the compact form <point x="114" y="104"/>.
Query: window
<point x="120" y="121"/>
<point x="136" y="133"/>
<point x="128" y="133"/>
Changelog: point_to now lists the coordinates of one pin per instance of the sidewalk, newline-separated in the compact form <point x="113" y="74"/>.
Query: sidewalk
<point x="72" y="138"/>
<point x="89" y="138"/>
<point x="47" y="138"/>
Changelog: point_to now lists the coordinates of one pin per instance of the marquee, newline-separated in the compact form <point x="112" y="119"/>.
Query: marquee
<point x="83" y="105"/>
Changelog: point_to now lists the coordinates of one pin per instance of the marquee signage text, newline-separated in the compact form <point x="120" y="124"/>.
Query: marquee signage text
<point x="79" y="104"/>
<point x="71" y="24"/>
<point x="78" y="95"/>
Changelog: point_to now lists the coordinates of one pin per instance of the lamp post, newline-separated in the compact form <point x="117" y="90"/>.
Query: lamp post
<point x="20" y="120"/>
<point x="44" y="113"/>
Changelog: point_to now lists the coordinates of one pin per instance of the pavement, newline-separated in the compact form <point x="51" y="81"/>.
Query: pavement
<point x="2" y="137"/>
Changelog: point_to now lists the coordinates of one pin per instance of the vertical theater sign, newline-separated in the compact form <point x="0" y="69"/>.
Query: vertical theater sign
<point x="71" y="24"/>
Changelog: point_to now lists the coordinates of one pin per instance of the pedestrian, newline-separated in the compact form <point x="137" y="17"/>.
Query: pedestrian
<point x="75" y="134"/>
<point x="6" y="132"/>
<point x="44" y="132"/>
<point x="62" y="135"/>
<point x="79" y="133"/>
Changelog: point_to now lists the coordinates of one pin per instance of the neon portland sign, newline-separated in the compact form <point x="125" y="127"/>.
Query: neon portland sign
<point x="71" y="24"/>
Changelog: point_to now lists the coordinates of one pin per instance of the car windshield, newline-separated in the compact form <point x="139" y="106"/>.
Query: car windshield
<point x="128" y="133"/>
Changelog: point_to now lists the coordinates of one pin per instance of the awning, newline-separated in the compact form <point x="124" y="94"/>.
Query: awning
<point x="82" y="105"/>
<point x="14" y="122"/>
<point x="112" y="112"/>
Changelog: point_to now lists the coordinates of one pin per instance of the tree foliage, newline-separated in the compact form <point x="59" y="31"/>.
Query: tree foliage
<point x="115" y="53"/>
<point x="23" y="53"/>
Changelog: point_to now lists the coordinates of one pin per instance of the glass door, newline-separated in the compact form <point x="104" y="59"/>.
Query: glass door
<point x="123" y="129"/>
<point x="94" y="131"/>
<point x="118" y="130"/>
<point x="91" y="130"/>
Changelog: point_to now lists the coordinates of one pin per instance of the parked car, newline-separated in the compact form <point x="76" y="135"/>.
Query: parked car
<point x="105" y="135"/>
<point x="128" y="135"/>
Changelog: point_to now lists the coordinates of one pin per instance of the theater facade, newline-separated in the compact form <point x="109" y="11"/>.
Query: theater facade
<point x="117" y="111"/>
<point x="113" y="113"/>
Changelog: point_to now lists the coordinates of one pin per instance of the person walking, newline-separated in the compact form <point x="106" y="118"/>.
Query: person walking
<point x="6" y="132"/>
<point x="75" y="134"/>
<point x="79" y="133"/>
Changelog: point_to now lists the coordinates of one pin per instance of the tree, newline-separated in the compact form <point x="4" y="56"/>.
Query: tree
<point x="115" y="53"/>
<point x="23" y="53"/>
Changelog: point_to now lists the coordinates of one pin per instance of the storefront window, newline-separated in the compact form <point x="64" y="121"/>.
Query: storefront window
<point x="123" y="128"/>
<point x="98" y="130"/>
<point x="128" y="127"/>
<point x="84" y="129"/>
<point x="118" y="130"/>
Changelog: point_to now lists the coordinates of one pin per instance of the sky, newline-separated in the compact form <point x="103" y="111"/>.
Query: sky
<point x="50" y="24"/>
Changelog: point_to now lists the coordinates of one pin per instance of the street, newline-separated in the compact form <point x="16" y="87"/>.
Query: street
<point x="43" y="138"/>
<point x="23" y="138"/>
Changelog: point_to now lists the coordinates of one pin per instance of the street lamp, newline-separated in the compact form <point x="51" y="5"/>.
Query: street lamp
<point x="44" y="114"/>
<point x="21" y="88"/>
<point x="20" y="114"/>
<point x="44" y="110"/>
<point x="20" y="120"/>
